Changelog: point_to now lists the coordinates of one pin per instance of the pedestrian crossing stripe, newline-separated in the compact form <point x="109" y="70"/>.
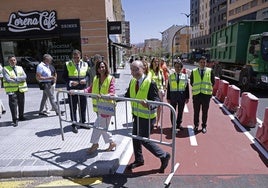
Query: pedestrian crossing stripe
<point x="14" y="184"/>
<point x="73" y="182"/>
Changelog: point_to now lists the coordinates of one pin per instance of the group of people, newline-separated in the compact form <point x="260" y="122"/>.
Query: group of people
<point x="148" y="83"/>
<point x="152" y="82"/>
<point x="90" y="78"/>
<point x="175" y="87"/>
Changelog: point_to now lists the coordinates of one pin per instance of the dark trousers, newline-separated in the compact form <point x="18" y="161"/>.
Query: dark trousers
<point x="180" y="105"/>
<point x="80" y="102"/>
<point x="143" y="131"/>
<point x="16" y="101"/>
<point x="201" y="101"/>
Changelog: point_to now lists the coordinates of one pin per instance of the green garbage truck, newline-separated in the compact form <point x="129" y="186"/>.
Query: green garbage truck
<point x="240" y="53"/>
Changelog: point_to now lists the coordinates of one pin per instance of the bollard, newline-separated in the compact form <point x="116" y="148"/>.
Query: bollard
<point x="216" y="86"/>
<point x="222" y="91"/>
<point x="231" y="101"/>
<point x="262" y="131"/>
<point x="247" y="111"/>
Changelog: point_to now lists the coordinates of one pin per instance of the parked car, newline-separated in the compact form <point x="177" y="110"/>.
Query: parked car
<point x="28" y="63"/>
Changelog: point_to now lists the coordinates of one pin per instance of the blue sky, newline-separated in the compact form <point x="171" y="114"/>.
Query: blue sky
<point x="149" y="17"/>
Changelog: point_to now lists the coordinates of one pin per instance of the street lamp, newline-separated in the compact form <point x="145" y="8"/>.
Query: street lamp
<point x="187" y="15"/>
<point x="172" y="47"/>
<point x="188" y="38"/>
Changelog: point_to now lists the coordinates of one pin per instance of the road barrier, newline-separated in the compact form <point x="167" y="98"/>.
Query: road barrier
<point x="222" y="90"/>
<point x="109" y="108"/>
<point x="262" y="131"/>
<point x="247" y="110"/>
<point x="231" y="101"/>
<point x="216" y="86"/>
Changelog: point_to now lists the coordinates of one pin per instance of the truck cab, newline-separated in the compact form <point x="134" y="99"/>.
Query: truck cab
<point x="240" y="53"/>
<point x="255" y="72"/>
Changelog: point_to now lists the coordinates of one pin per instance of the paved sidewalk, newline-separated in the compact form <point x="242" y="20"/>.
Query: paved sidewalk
<point x="35" y="147"/>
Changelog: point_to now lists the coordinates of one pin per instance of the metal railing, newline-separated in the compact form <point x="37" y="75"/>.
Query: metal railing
<point x="111" y="109"/>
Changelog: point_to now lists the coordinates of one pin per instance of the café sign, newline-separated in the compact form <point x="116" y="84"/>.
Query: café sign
<point x="35" y="20"/>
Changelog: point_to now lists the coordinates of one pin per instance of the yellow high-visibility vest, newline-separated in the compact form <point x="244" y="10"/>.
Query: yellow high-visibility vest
<point x="104" y="89"/>
<point x="14" y="86"/>
<point x="174" y="85"/>
<point x="202" y="85"/>
<point x="157" y="78"/>
<point x="137" y="109"/>
<point x="73" y="72"/>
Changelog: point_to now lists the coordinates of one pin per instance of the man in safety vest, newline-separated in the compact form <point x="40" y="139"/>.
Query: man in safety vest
<point x="76" y="76"/>
<point x="15" y="85"/>
<point x="202" y="81"/>
<point x="143" y="88"/>
<point x="178" y="92"/>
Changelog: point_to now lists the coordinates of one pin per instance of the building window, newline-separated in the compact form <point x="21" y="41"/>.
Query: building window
<point x="238" y="10"/>
<point x="231" y="12"/>
<point x="232" y="1"/>
<point x="254" y="3"/>
<point x="224" y="16"/>
<point x="245" y="7"/>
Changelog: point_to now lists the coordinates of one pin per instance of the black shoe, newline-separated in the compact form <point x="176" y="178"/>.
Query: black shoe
<point x="43" y="114"/>
<point x="135" y="164"/>
<point x="22" y="119"/>
<point x="61" y="113"/>
<point x="84" y="127"/>
<point x="179" y="127"/>
<point x="75" y="130"/>
<point x="204" y="130"/>
<point x="14" y="123"/>
<point x="195" y="129"/>
<point x="164" y="163"/>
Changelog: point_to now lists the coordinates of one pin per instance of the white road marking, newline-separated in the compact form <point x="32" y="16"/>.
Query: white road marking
<point x="125" y="160"/>
<point x="186" y="110"/>
<point x="192" y="137"/>
<point x="242" y="128"/>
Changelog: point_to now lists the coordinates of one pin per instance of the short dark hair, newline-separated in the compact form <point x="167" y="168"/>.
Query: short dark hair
<point x="178" y="62"/>
<point x="9" y="57"/>
<point x="203" y="58"/>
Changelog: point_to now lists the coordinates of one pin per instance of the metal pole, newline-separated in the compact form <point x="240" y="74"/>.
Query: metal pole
<point x="188" y="38"/>
<point x="172" y="47"/>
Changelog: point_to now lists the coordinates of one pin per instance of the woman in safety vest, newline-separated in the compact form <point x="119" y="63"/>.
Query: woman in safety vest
<point x="103" y="84"/>
<point x="156" y="74"/>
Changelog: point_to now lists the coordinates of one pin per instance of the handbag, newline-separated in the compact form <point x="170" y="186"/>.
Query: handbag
<point x="41" y="85"/>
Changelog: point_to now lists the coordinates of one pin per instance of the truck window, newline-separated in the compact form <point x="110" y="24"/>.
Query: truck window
<point x="265" y="48"/>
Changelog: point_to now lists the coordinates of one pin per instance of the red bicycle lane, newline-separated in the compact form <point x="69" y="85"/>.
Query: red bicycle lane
<point x="223" y="150"/>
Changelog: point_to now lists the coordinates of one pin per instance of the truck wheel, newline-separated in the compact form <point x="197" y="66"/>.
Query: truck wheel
<point x="244" y="80"/>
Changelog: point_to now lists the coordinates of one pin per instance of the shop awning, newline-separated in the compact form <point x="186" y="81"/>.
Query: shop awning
<point x="120" y="45"/>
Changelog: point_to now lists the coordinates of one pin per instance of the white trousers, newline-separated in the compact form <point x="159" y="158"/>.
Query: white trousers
<point x="102" y="122"/>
